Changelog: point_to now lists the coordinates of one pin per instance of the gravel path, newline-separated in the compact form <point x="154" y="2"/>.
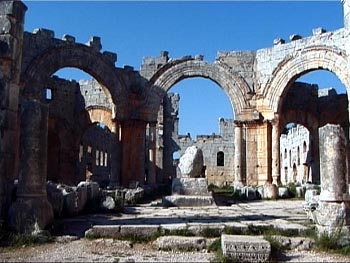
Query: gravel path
<point x="108" y="250"/>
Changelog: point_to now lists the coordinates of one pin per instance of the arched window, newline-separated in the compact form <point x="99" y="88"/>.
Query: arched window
<point x="220" y="159"/>
<point x="298" y="155"/>
<point x="285" y="153"/>
<point x="304" y="147"/>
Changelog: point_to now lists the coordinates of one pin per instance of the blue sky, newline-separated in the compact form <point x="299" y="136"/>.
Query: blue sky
<point x="135" y="30"/>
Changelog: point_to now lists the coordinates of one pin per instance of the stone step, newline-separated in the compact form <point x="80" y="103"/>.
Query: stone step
<point x="196" y="229"/>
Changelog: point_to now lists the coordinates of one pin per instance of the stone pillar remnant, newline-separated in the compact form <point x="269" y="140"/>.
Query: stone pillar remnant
<point x="133" y="135"/>
<point x="332" y="163"/>
<point x="32" y="210"/>
<point x="275" y="153"/>
<point x="238" y="153"/>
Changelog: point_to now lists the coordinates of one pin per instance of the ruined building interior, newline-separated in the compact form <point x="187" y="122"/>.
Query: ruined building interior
<point x="120" y="128"/>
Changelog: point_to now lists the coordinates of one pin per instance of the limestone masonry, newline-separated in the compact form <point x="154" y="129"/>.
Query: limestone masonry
<point x="120" y="128"/>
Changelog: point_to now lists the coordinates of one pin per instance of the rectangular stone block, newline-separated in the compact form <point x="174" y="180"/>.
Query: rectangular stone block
<point x="245" y="248"/>
<point x="190" y="186"/>
<point x="139" y="230"/>
<point x="104" y="231"/>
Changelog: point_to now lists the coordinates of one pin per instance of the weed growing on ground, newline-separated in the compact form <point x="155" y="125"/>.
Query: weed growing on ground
<point x="179" y="232"/>
<point x="210" y="232"/>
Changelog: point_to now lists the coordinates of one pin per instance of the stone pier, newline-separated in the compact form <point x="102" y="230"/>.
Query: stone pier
<point x="32" y="210"/>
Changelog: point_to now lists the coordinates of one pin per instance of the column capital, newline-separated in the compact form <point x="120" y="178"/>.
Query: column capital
<point x="238" y="123"/>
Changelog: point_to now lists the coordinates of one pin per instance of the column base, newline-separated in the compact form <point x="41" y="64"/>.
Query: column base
<point x="276" y="181"/>
<point x="30" y="214"/>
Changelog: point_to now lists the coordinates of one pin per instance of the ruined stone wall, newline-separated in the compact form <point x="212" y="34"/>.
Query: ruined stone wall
<point x="217" y="172"/>
<point x="63" y="101"/>
<point x="294" y="152"/>
<point x="70" y="131"/>
<point x="94" y="95"/>
<point x="95" y="155"/>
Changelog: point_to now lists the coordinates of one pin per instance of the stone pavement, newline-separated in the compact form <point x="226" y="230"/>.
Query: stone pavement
<point x="147" y="218"/>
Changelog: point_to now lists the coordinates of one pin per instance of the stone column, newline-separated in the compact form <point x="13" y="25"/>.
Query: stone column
<point x="238" y="154"/>
<point x="275" y="167"/>
<point x="115" y="158"/>
<point x="332" y="163"/>
<point x="159" y="155"/>
<point x="133" y="133"/>
<point x="152" y="154"/>
<point x="332" y="213"/>
<point x="32" y="210"/>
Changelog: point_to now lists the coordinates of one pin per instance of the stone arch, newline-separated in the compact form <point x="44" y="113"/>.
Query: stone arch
<point x="310" y="59"/>
<point x="232" y="83"/>
<point x="307" y="119"/>
<point x="76" y="56"/>
<point x="102" y="115"/>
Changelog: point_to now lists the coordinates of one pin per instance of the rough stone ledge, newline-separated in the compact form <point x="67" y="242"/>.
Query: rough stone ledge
<point x="188" y="200"/>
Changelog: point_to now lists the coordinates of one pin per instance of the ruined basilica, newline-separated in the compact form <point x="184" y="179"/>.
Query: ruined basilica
<point x="121" y="128"/>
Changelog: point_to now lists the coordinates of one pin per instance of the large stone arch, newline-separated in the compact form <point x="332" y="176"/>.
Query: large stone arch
<point x="232" y="83"/>
<point x="76" y="56"/>
<point x="310" y="59"/>
<point x="102" y="115"/>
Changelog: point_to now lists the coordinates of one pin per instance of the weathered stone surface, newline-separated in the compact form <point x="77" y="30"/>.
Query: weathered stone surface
<point x="132" y="196"/>
<point x="180" y="243"/>
<point x="188" y="200"/>
<point x="140" y="230"/>
<point x="332" y="215"/>
<point x="55" y="197"/>
<point x="270" y="191"/>
<point x="103" y="231"/>
<point x="283" y="192"/>
<point x="295" y="243"/>
<point x="32" y="211"/>
<point x="310" y="195"/>
<point x="71" y="204"/>
<point x="190" y="186"/>
<point x="107" y="203"/>
<point x="191" y="163"/>
<point x="332" y="163"/>
<point x="245" y="248"/>
<point x="93" y="189"/>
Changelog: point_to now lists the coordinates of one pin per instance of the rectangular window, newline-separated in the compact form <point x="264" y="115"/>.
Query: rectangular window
<point x="48" y="93"/>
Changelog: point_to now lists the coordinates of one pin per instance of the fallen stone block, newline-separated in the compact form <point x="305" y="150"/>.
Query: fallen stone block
<point x="245" y="248"/>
